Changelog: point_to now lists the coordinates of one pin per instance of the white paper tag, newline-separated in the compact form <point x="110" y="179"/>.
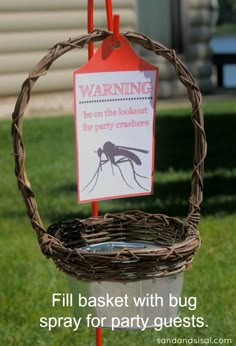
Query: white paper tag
<point x="115" y="119"/>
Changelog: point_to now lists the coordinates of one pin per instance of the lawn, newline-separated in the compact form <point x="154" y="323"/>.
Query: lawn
<point x="28" y="279"/>
<point x="226" y="29"/>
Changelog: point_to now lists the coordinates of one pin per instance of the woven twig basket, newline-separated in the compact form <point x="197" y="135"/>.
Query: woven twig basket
<point x="177" y="240"/>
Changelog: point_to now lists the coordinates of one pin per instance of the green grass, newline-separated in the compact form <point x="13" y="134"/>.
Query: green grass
<point x="28" y="279"/>
<point x="226" y="29"/>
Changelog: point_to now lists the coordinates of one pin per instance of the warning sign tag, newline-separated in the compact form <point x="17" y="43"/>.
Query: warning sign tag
<point x="115" y="98"/>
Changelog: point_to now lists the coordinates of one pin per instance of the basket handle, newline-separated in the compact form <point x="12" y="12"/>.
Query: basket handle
<point x="42" y="68"/>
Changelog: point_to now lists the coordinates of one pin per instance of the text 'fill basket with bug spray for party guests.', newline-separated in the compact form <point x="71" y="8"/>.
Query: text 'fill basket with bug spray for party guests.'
<point x="132" y="252"/>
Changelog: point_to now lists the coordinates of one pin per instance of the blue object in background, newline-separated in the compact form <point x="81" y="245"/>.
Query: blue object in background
<point x="226" y="45"/>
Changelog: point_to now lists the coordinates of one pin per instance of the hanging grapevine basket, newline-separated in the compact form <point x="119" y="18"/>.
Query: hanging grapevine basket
<point x="170" y="242"/>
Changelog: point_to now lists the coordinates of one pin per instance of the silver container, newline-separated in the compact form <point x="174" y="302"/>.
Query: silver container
<point x="133" y="305"/>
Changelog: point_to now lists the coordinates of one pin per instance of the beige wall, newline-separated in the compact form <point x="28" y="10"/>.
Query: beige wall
<point x="28" y="28"/>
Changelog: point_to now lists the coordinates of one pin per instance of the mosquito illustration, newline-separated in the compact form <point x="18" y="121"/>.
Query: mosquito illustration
<point x="111" y="152"/>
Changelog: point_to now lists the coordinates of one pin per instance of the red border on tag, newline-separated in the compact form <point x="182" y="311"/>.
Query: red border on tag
<point x="109" y="59"/>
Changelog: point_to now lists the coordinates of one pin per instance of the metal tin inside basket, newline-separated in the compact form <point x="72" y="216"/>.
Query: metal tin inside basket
<point x="117" y="246"/>
<point x="133" y="305"/>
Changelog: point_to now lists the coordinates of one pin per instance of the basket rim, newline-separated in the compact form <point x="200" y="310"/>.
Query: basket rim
<point x="126" y="265"/>
<point x="189" y="243"/>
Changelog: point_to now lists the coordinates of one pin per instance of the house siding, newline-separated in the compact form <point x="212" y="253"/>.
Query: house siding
<point x="199" y="27"/>
<point x="29" y="28"/>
